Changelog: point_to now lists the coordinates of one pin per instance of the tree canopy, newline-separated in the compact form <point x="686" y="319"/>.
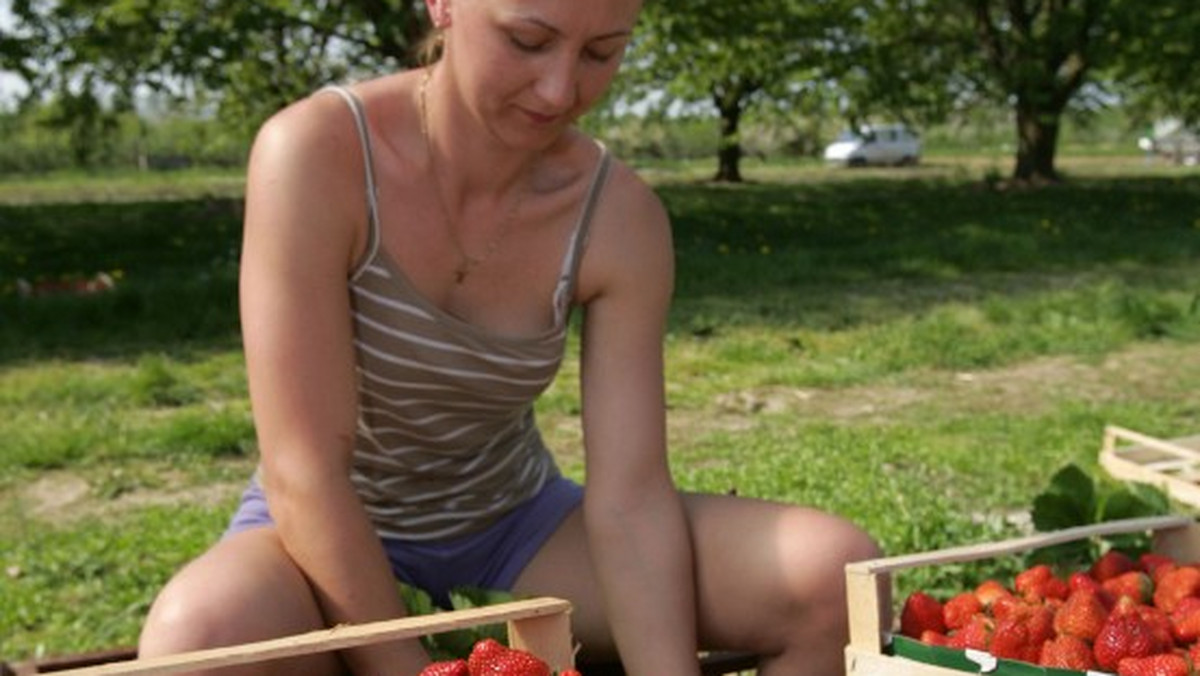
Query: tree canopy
<point x="918" y="59"/>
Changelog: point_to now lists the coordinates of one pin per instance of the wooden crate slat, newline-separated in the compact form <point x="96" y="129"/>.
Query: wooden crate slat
<point x="516" y="614"/>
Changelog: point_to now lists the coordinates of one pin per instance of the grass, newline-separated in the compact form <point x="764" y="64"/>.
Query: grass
<point x="843" y="339"/>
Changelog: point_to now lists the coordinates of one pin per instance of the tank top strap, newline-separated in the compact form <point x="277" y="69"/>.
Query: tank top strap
<point x="364" y="137"/>
<point x="570" y="267"/>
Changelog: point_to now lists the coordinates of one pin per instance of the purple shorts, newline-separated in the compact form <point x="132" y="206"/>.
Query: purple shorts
<point x="489" y="559"/>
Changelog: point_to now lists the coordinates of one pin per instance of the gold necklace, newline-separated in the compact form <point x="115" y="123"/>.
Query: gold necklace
<point x="468" y="262"/>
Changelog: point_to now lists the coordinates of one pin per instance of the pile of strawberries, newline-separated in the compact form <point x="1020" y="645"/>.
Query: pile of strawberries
<point x="1132" y="617"/>
<point x="492" y="658"/>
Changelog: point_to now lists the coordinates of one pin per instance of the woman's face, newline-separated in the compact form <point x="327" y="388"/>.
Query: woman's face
<point x="529" y="68"/>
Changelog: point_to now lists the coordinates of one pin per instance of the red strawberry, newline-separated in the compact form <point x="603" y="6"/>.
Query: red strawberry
<point x="569" y="672"/>
<point x="1175" y="586"/>
<point x="1082" y="615"/>
<point x="1040" y="583"/>
<point x="1011" y="640"/>
<point x="989" y="590"/>
<point x="977" y="634"/>
<point x="1081" y="580"/>
<point x="515" y="663"/>
<point x="921" y="612"/>
<point x="1159" y="623"/>
<point x="1135" y="584"/>
<point x="1150" y="562"/>
<point x="484" y="652"/>
<point x="1111" y="564"/>
<point x="1165" y="664"/>
<point x="959" y="609"/>
<point x="1031" y="578"/>
<point x="1041" y="624"/>
<point x="929" y="637"/>
<point x="1185" y="620"/>
<point x="446" y="668"/>
<point x="1124" y="635"/>
<point x="1067" y="652"/>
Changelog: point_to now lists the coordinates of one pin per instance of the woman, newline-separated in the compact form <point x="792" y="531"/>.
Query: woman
<point x="413" y="246"/>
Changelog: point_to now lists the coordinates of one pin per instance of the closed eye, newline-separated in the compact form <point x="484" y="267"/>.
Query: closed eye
<point x="527" y="45"/>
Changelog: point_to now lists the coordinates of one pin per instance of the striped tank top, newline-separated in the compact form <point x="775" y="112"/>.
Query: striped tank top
<point x="446" y="440"/>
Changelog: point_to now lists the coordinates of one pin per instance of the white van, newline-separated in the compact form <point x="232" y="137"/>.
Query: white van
<point x="892" y="144"/>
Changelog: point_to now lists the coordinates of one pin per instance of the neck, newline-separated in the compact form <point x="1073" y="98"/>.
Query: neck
<point x="467" y="163"/>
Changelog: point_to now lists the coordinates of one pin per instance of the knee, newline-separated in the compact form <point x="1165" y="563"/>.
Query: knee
<point x="183" y="617"/>
<point x="819" y="548"/>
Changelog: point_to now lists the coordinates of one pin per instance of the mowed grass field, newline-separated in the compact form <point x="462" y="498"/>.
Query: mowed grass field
<point x="917" y="350"/>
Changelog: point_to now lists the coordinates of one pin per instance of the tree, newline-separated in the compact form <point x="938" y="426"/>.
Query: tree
<point x="733" y="55"/>
<point x="249" y="58"/>
<point x="1033" y="56"/>
<point x="1157" y="63"/>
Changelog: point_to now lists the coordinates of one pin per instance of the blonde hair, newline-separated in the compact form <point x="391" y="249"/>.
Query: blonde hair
<point x="429" y="49"/>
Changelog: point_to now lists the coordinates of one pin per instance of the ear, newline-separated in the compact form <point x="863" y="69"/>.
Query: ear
<point x="439" y="12"/>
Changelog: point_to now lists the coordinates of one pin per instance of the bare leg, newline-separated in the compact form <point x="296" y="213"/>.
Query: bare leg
<point x="770" y="580"/>
<point x="244" y="589"/>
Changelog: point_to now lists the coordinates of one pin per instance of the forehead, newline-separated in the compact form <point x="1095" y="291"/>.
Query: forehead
<point x="585" y="17"/>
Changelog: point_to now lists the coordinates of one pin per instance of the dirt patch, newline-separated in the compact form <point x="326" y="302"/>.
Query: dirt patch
<point x="63" y="496"/>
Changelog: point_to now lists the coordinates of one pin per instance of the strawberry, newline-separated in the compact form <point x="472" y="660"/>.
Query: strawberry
<point x="1081" y="616"/>
<point x="569" y="672"/>
<point x="929" y="637"/>
<point x="1165" y="664"/>
<point x="1039" y="583"/>
<point x="1111" y="564"/>
<point x="1135" y="584"/>
<point x="515" y="663"/>
<point x="446" y="668"/>
<point x="977" y="634"/>
<point x="1150" y="562"/>
<point x="1031" y="578"/>
<point x="1011" y="640"/>
<point x="1067" y="652"/>
<point x="483" y="653"/>
<point x="959" y="609"/>
<point x="921" y="612"/>
<point x="1159" y="623"/>
<point x="1175" y="586"/>
<point x="1185" y="620"/>
<point x="989" y="590"/>
<point x="1124" y="635"/>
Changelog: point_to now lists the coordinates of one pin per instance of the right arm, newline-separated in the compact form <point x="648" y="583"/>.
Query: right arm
<point x="304" y="198"/>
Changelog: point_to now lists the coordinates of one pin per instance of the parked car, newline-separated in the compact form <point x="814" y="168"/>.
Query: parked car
<point x="1172" y="140"/>
<point x="889" y="144"/>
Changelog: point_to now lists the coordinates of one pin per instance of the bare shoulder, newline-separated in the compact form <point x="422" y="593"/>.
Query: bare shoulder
<point x="630" y="238"/>
<point x="305" y="175"/>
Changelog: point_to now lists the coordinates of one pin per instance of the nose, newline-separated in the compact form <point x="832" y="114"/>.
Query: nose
<point x="558" y="85"/>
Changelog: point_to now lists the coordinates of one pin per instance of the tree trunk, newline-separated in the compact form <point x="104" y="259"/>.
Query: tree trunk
<point x="729" y="153"/>
<point x="729" y="99"/>
<point x="1037" y="142"/>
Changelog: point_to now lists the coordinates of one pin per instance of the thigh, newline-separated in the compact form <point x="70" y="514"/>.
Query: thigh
<point x="766" y="573"/>
<point x="245" y="588"/>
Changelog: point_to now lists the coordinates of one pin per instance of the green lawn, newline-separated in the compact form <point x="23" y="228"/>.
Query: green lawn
<point x="912" y="349"/>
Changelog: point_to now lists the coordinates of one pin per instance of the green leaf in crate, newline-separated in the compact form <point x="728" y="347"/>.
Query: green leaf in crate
<point x="1069" y="501"/>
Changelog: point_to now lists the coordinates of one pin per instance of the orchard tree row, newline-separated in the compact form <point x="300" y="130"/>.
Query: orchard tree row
<point x="915" y="60"/>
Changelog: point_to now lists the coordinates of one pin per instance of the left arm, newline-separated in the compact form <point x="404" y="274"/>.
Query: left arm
<point x="637" y="530"/>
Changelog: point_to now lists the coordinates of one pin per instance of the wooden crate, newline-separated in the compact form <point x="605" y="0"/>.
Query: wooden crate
<point x="1173" y="466"/>
<point x="869" y="585"/>
<point x="541" y="626"/>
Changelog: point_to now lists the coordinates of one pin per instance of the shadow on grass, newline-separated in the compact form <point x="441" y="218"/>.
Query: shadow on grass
<point x="800" y="254"/>
<point x="174" y="266"/>
<point x="806" y="255"/>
